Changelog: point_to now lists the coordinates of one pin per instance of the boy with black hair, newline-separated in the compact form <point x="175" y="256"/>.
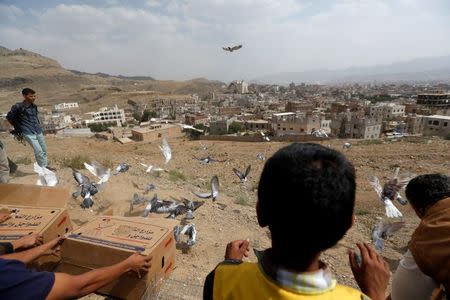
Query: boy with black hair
<point x="427" y="262"/>
<point x="306" y="196"/>
<point x="23" y="116"/>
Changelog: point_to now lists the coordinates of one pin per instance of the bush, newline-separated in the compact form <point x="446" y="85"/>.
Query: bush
<point x="75" y="162"/>
<point x="236" y="127"/>
<point x="175" y="175"/>
<point x="99" y="127"/>
<point x="23" y="160"/>
<point x="147" y="115"/>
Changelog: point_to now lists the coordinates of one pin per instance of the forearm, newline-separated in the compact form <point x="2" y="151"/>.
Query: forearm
<point x="93" y="280"/>
<point x="27" y="256"/>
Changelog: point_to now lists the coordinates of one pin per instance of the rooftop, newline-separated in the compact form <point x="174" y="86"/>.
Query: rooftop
<point x="442" y="117"/>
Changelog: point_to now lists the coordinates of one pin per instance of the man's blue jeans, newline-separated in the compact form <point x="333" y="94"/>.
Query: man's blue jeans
<point x="40" y="149"/>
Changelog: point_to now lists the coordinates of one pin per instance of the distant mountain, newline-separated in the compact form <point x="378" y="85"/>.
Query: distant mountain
<point x="104" y="75"/>
<point x="418" y="70"/>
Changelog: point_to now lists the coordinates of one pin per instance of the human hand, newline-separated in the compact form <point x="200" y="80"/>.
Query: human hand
<point x="138" y="262"/>
<point x="28" y="241"/>
<point x="237" y="249"/>
<point x="53" y="247"/>
<point x="373" y="274"/>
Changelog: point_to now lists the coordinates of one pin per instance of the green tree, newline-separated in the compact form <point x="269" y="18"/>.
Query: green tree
<point x="147" y="115"/>
<point x="236" y="127"/>
<point x="99" y="127"/>
<point x="195" y="134"/>
<point x="137" y="116"/>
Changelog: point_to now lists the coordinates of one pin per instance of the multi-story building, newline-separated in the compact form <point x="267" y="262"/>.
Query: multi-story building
<point x="290" y="124"/>
<point x="239" y="87"/>
<point x="66" y="106"/>
<point x="325" y="125"/>
<point x="156" y="132"/>
<point x="414" y="124"/>
<point x="436" y="125"/>
<point x="195" y="119"/>
<point x="256" y="125"/>
<point x="106" y="115"/>
<point x="299" y="106"/>
<point x="436" y="99"/>
<point x="386" y="111"/>
<point x="220" y="126"/>
<point x="229" y="111"/>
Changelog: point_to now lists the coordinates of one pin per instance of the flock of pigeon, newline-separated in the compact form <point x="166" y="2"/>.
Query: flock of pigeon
<point x="86" y="188"/>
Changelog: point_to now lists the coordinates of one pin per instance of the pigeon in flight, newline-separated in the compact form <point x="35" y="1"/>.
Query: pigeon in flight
<point x="151" y="168"/>
<point x="260" y="156"/>
<point x="214" y="194"/>
<point x="136" y="200"/>
<point x="190" y="127"/>
<point x="86" y="189"/>
<point x="382" y="231"/>
<point x="264" y="137"/>
<point x="319" y="133"/>
<point x="45" y="176"/>
<point x="390" y="192"/>
<point x="149" y="187"/>
<point x="346" y="145"/>
<point x="231" y="49"/>
<point x="121" y="168"/>
<point x="208" y="159"/>
<point x="189" y="230"/>
<point x="99" y="171"/>
<point x="203" y="146"/>
<point x="242" y="176"/>
<point x="166" y="151"/>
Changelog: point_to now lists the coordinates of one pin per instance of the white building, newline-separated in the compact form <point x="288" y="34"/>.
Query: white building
<point x="239" y="86"/>
<point x="66" y="106"/>
<point x="107" y="115"/>
<point x="436" y="125"/>
<point x="325" y="125"/>
<point x="386" y="110"/>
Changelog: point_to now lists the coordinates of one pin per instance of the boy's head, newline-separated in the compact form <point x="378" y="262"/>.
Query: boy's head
<point x="425" y="190"/>
<point x="306" y="196"/>
<point x="29" y="95"/>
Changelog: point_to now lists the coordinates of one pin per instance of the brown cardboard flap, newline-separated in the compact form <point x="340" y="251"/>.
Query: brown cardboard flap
<point x="34" y="195"/>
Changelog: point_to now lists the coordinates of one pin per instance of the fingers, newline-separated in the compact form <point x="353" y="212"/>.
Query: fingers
<point x="364" y="252"/>
<point x="372" y="253"/>
<point x="351" y="257"/>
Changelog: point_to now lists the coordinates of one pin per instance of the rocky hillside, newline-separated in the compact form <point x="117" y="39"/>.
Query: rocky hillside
<point x="21" y="68"/>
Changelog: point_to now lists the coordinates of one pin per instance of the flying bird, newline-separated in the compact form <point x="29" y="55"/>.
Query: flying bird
<point x="390" y="192"/>
<point x="242" y="176"/>
<point x="45" y="176"/>
<point x="166" y="151"/>
<point x="346" y="145"/>
<point x="189" y="230"/>
<point x="151" y="168"/>
<point x="99" y="171"/>
<point x="208" y="159"/>
<point x="231" y="49"/>
<point x="382" y="231"/>
<point x="260" y="156"/>
<point x="149" y="187"/>
<point x="319" y="133"/>
<point x="264" y="137"/>
<point x="214" y="194"/>
<point x="190" y="127"/>
<point x="121" y="168"/>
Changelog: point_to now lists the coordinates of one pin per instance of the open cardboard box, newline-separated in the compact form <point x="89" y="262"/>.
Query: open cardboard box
<point x="34" y="209"/>
<point x="107" y="240"/>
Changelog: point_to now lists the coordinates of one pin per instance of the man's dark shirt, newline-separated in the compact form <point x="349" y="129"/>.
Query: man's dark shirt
<point x="24" y="117"/>
<point x="18" y="282"/>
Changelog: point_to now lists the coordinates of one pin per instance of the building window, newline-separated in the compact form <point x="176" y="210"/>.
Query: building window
<point x="445" y="124"/>
<point x="436" y="123"/>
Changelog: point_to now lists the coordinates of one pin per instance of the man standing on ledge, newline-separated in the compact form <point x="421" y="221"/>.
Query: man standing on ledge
<point x="24" y="117"/>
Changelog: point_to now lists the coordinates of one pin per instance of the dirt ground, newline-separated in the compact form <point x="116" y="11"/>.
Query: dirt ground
<point x="233" y="215"/>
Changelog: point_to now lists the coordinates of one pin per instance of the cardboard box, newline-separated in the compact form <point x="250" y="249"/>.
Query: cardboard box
<point x="35" y="209"/>
<point x="108" y="240"/>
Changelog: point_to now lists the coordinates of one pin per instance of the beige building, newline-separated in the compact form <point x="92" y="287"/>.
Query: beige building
<point x="256" y="125"/>
<point x="436" y="125"/>
<point x="108" y="116"/>
<point x="290" y="124"/>
<point x="156" y="132"/>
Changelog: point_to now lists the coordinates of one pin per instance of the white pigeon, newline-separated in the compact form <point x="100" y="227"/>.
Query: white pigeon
<point x="99" y="171"/>
<point x="265" y="137"/>
<point x="346" y="145"/>
<point x="151" y="168"/>
<point x="384" y="230"/>
<point x="185" y="126"/>
<point x="46" y="177"/>
<point x="189" y="230"/>
<point x="319" y="133"/>
<point x="214" y="194"/>
<point x="166" y="151"/>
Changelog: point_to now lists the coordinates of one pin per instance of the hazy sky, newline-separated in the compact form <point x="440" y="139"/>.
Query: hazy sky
<point x="182" y="39"/>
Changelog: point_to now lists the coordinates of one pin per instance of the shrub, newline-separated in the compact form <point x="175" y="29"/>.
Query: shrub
<point x="75" y="162"/>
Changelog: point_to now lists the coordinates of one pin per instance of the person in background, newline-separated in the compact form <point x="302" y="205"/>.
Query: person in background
<point x="23" y="116"/>
<point x="426" y="265"/>
<point x="306" y="196"/>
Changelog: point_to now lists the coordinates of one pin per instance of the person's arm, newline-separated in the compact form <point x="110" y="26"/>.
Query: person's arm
<point x="28" y="256"/>
<point x="11" y="116"/>
<point x="27" y="241"/>
<point x="372" y="276"/>
<point x="69" y="286"/>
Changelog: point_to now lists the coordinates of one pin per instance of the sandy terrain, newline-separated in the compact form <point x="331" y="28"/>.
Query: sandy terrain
<point x="233" y="215"/>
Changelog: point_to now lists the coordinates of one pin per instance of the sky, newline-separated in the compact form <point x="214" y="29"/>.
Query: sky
<point x="183" y="39"/>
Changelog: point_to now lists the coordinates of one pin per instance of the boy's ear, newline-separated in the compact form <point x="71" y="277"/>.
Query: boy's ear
<point x="353" y="219"/>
